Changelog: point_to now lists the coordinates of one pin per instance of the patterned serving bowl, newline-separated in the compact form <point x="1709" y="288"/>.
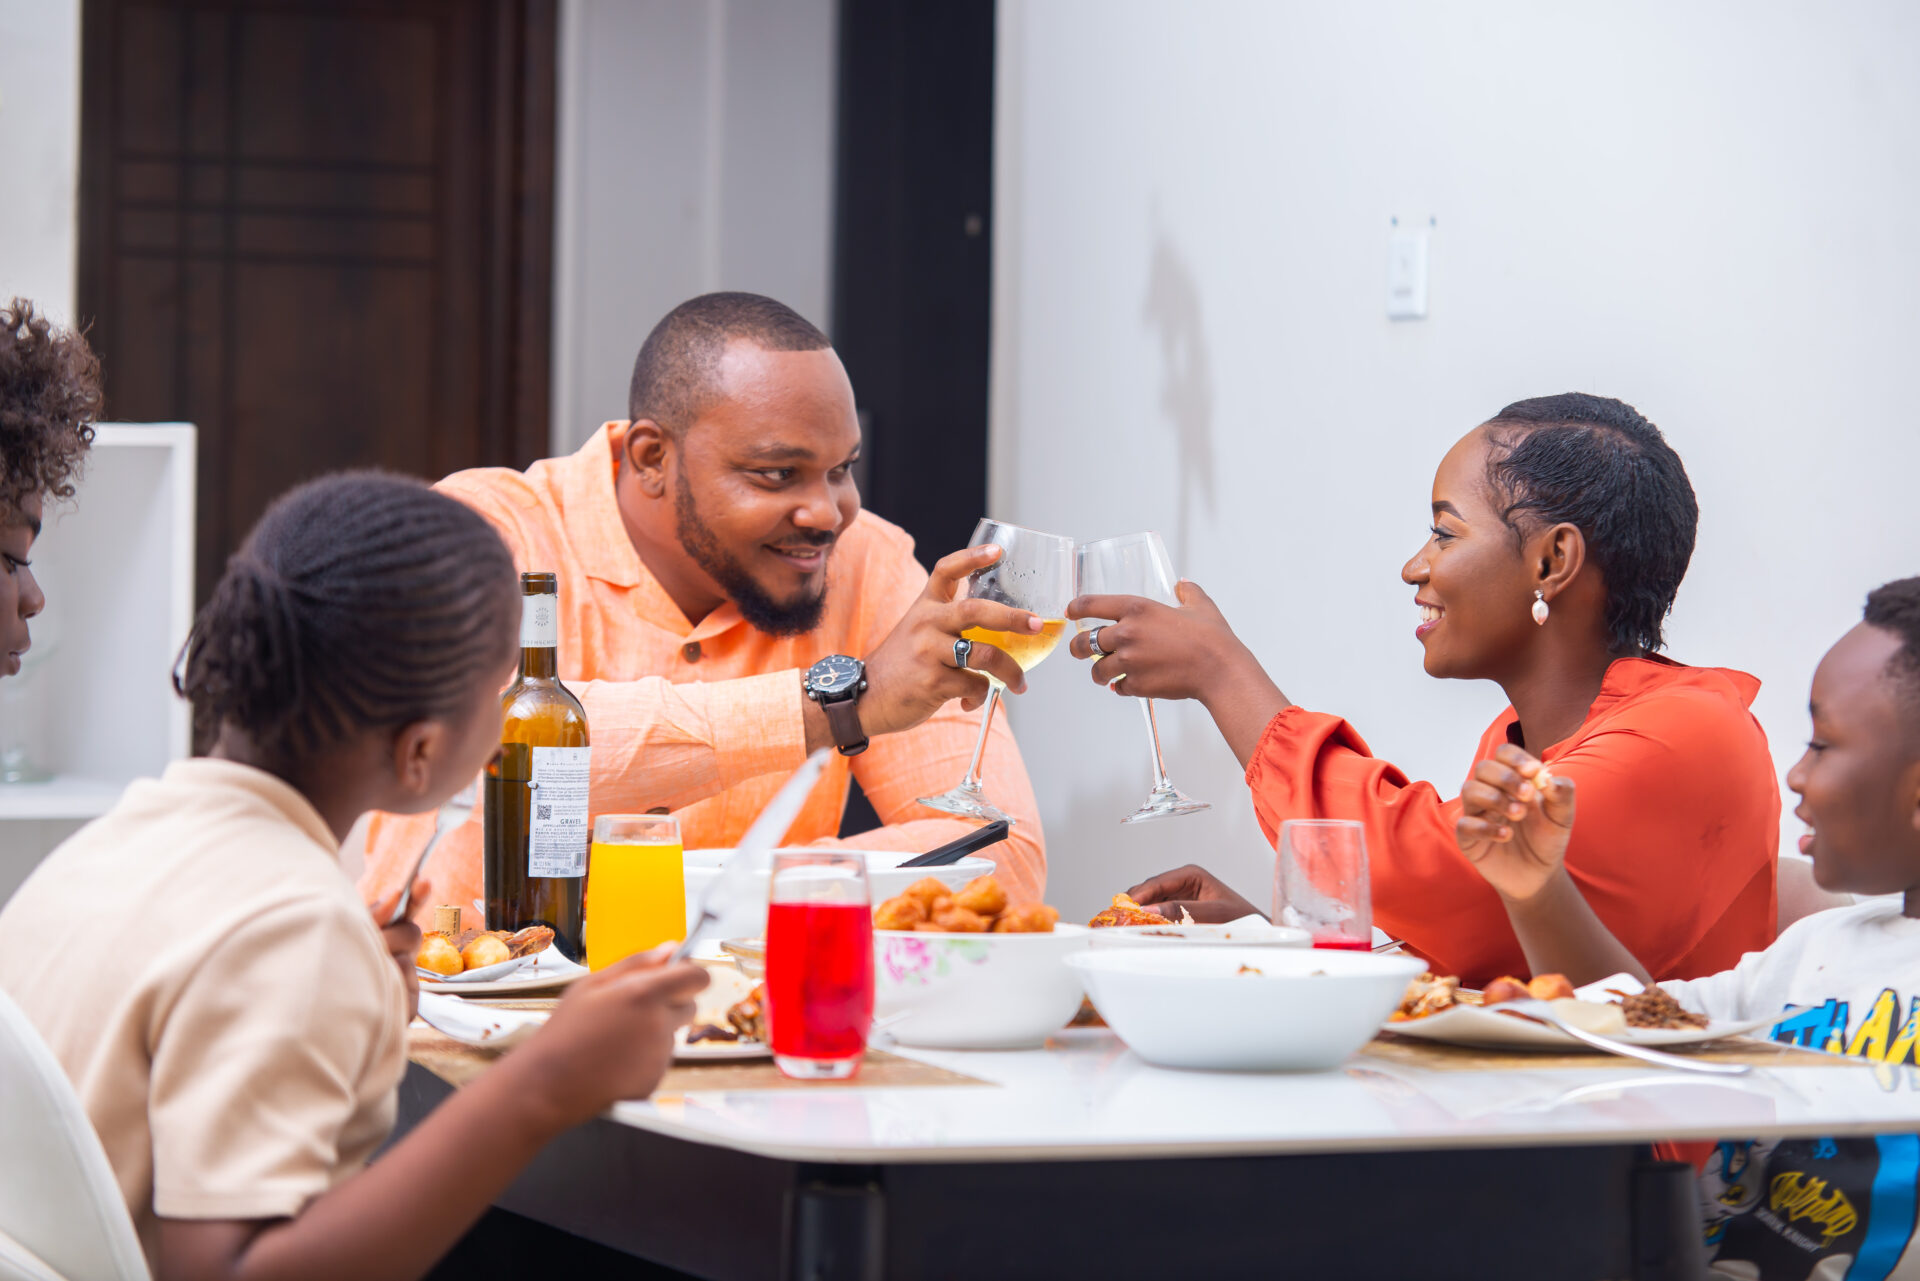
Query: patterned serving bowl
<point x="976" y="991"/>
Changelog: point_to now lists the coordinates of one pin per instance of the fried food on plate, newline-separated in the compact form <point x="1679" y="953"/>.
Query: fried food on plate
<point x="1127" y="912"/>
<point x="982" y="906"/>
<point x="1428" y="994"/>
<point x="1541" y="987"/>
<point x="749" y="1015"/>
<point x="439" y="955"/>
<point x="488" y="949"/>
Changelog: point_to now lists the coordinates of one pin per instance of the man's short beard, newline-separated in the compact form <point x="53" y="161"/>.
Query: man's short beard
<point x="756" y="605"/>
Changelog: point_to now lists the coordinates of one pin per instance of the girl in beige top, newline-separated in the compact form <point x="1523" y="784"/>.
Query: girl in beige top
<point x="233" y="1019"/>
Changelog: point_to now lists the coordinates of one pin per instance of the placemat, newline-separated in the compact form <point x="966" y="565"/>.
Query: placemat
<point x="457" y="1063"/>
<point x="1463" y="1058"/>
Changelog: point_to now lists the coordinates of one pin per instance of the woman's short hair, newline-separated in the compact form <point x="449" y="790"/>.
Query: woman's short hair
<point x="49" y="397"/>
<point x="1597" y="464"/>
<point x="360" y="601"/>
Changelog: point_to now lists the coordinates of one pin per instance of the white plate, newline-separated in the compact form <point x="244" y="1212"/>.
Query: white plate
<point x="487" y="1026"/>
<point x="541" y="970"/>
<point x="716" y="1051"/>
<point x="1485" y="1028"/>
<point x="485" y="974"/>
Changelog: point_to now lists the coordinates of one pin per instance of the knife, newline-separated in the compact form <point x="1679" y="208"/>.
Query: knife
<point x="954" y="851"/>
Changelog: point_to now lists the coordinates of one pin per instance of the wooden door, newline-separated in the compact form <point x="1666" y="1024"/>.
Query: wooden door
<point x="322" y="231"/>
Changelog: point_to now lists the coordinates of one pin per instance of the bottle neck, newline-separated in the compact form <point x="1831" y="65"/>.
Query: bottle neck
<point x="539" y="662"/>
<point x="539" y="637"/>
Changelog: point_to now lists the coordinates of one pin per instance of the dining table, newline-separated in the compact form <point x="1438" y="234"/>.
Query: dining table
<point x="1078" y="1158"/>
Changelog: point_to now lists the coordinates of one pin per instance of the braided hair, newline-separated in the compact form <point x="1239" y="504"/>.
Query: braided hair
<point x="1895" y="607"/>
<point x="360" y="601"/>
<point x="1597" y="464"/>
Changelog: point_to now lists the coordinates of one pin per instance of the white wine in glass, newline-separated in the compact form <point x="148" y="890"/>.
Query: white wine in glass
<point x="1034" y="573"/>
<point x="1137" y="565"/>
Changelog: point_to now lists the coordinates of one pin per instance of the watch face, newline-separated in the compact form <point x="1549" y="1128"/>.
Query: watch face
<point x="834" y="674"/>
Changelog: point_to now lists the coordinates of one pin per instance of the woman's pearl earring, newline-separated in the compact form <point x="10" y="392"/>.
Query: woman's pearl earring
<point x="1540" y="607"/>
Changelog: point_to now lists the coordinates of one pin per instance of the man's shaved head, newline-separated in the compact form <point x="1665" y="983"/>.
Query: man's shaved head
<point x="677" y="373"/>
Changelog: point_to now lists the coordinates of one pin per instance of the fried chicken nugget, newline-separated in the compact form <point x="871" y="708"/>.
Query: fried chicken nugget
<point x="983" y="895"/>
<point x="902" y="912"/>
<point x="1027" y="918"/>
<point x="1549" y="987"/>
<point x="928" y="927"/>
<point x="959" y="920"/>
<point x="438" y="954"/>
<point x="927" y="889"/>
<point x="488" y="949"/>
<point x="1504" y="989"/>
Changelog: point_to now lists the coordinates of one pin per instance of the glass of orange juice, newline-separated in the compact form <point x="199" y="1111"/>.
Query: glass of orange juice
<point x="636" y="886"/>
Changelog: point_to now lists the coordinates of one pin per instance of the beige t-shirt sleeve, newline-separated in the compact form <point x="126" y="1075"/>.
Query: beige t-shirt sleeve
<point x="276" y="1066"/>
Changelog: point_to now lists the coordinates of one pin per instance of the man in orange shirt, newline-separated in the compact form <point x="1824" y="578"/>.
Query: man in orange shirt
<point x="711" y="553"/>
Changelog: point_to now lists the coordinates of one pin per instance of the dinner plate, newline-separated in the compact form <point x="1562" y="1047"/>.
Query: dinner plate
<point x="546" y="969"/>
<point x="1483" y="1027"/>
<point x="716" y="1051"/>
<point x="1486" y="1029"/>
<point x="487" y="1026"/>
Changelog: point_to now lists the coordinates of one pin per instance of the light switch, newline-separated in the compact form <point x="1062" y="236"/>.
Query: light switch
<point x="1407" y="273"/>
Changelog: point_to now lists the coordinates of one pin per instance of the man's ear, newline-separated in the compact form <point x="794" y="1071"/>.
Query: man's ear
<point x="417" y="748"/>
<point x="644" y="455"/>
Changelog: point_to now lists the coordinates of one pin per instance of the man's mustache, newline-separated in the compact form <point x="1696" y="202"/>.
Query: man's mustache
<point x="807" y="538"/>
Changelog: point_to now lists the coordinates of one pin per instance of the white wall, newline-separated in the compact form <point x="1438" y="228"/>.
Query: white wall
<point x="1704" y="209"/>
<point x="39" y="151"/>
<point x="696" y="153"/>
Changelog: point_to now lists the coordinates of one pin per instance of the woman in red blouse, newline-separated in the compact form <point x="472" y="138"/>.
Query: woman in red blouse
<point x="1561" y="530"/>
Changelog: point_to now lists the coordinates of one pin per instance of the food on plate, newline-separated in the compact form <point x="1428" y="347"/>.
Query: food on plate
<point x="439" y="956"/>
<point x="1086" y="1016"/>
<point x="1248" y="969"/>
<point x="1127" y="912"/>
<point x="1653" y="1008"/>
<point x="710" y="1032"/>
<point x="487" y="949"/>
<point x="1541" y="987"/>
<point x="749" y="1014"/>
<point x="1028" y="918"/>
<point x="980" y="907"/>
<point x="1428" y="994"/>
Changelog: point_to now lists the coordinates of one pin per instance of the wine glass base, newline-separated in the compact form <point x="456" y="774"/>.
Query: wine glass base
<point x="967" y="802"/>
<point x="817" y="1069"/>
<point x="1166" y="802"/>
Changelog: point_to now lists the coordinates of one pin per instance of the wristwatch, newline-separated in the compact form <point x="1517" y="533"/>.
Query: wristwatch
<point x="836" y="683"/>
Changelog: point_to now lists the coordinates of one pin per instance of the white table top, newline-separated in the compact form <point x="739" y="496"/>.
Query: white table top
<point x="1088" y="1097"/>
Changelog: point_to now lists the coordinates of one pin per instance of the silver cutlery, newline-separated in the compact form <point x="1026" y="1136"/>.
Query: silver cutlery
<point x="1541" y="1012"/>
<point x="457" y="810"/>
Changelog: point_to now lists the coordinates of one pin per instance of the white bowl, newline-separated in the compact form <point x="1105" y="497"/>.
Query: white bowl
<point x="1260" y="934"/>
<point x="1244" y="1009"/>
<point x="977" y="991"/>
<point x="885" y="878"/>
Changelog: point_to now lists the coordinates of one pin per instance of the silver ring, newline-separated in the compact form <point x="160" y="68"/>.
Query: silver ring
<point x="962" y="651"/>
<point x="1093" y="642"/>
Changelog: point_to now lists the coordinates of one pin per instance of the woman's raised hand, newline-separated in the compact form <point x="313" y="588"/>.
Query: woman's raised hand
<point x="1515" y="821"/>
<point x="1161" y="651"/>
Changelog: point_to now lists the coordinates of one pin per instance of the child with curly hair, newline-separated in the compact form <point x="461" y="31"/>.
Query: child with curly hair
<point x="49" y="393"/>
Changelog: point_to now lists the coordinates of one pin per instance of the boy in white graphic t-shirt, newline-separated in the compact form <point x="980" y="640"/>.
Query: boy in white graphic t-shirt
<point x="1845" y="981"/>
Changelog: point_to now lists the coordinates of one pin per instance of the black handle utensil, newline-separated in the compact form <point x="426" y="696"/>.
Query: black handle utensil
<point x="954" y="851"/>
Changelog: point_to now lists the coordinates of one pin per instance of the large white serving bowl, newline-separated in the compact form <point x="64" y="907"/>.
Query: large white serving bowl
<point x="885" y="876"/>
<point x="1287" y="1010"/>
<point x="976" y="991"/>
<point x="1248" y="935"/>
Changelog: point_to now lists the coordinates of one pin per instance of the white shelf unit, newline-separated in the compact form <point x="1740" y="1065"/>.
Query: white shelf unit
<point x="94" y="700"/>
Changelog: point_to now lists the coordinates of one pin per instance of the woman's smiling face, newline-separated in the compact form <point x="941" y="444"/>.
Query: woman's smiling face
<point x="1472" y="583"/>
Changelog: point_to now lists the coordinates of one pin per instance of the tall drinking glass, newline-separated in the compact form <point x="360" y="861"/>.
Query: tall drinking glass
<point x="1034" y="573"/>
<point x="819" y="963"/>
<point x="1320" y="882"/>
<point x="1137" y="565"/>
<point x="636" y="886"/>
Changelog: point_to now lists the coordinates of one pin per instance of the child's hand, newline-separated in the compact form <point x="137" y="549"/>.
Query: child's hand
<point x="1514" y="833"/>
<point x="403" y="940"/>
<point x="611" y="1036"/>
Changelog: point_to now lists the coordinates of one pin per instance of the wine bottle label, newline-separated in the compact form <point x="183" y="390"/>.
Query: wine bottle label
<point x="557" y="811"/>
<point x="539" y="622"/>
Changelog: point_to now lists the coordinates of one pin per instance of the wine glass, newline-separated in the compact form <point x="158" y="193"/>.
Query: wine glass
<point x="1137" y="565"/>
<point x="1034" y="573"/>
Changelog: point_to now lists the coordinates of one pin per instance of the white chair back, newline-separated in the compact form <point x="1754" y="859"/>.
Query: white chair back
<point x="61" y="1213"/>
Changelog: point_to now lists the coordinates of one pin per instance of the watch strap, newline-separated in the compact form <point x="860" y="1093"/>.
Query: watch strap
<point x="843" y="722"/>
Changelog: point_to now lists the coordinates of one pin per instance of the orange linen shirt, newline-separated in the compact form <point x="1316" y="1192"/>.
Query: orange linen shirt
<point x="1674" y="843"/>
<point x="705" y="719"/>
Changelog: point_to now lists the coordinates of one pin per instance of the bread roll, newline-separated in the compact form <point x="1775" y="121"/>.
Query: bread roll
<point x="484" y="951"/>
<point x="438" y="956"/>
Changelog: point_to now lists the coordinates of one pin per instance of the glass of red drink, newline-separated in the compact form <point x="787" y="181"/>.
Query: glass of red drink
<point x="819" y="963"/>
<point x="1320" y="882"/>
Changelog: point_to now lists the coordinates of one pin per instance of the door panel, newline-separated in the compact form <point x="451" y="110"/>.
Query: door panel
<point x="321" y="230"/>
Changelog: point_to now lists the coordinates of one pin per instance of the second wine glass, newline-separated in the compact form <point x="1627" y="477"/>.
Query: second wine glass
<point x="1034" y="573"/>
<point x="1138" y="565"/>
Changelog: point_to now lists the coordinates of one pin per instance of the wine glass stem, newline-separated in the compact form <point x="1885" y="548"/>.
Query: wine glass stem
<point x="972" y="781"/>
<point x="1153" y="737"/>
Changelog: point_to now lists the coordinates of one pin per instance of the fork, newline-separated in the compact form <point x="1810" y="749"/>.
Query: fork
<point x="457" y="810"/>
<point x="1541" y="1012"/>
